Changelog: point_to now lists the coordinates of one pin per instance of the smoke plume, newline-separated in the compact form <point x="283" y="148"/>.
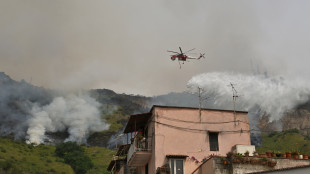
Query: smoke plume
<point x="273" y="95"/>
<point x="30" y="112"/>
<point x="77" y="114"/>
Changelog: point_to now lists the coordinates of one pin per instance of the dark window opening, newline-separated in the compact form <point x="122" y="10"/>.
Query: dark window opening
<point x="213" y="139"/>
<point x="176" y="166"/>
<point x="147" y="169"/>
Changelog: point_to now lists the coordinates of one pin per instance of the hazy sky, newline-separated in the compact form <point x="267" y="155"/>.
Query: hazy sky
<point x="122" y="45"/>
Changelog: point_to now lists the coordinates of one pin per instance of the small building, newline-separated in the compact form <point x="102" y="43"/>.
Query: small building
<point x="177" y="140"/>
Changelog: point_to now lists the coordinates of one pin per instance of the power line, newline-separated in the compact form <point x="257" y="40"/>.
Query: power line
<point x="185" y="121"/>
<point x="221" y="131"/>
<point x="201" y="130"/>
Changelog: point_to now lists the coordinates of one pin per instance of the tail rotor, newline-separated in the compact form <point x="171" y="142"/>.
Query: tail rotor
<point x="202" y="56"/>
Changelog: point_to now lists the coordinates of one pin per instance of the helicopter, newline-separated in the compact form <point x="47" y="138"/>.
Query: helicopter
<point x="183" y="57"/>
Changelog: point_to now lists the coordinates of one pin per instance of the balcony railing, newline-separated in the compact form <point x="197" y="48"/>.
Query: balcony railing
<point x="118" y="157"/>
<point x="139" y="151"/>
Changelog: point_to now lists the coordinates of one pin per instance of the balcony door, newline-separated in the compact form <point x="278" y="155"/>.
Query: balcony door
<point x="177" y="166"/>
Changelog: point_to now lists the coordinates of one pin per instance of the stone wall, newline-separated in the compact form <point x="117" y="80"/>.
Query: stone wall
<point x="240" y="168"/>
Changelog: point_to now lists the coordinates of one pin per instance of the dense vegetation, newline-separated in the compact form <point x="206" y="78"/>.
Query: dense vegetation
<point x="19" y="157"/>
<point x="286" y="141"/>
<point x="75" y="156"/>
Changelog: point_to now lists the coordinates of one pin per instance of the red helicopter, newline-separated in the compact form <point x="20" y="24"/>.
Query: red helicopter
<point x="183" y="57"/>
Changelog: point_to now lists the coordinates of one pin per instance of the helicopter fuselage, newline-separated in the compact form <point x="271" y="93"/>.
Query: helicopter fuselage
<point x="180" y="57"/>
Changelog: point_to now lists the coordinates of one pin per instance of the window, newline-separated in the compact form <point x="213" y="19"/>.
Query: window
<point x="177" y="166"/>
<point x="146" y="169"/>
<point x="213" y="139"/>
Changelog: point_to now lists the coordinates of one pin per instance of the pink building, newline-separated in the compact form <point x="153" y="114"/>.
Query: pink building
<point x="180" y="139"/>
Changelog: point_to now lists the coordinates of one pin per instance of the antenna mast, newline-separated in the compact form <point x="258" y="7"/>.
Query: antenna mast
<point x="235" y="96"/>
<point x="201" y="99"/>
<point x="199" y="95"/>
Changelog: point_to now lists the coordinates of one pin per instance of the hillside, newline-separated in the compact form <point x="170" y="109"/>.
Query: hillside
<point x="17" y="100"/>
<point x="286" y="141"/>
<point x="297" y="119"/>
<point x="18" y="157"/>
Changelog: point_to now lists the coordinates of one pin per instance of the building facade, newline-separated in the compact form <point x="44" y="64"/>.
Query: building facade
<point x="178" y="139"/>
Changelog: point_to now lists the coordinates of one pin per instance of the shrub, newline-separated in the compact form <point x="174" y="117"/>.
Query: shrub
<point x="6" y="165"/>
<point x="52" y="170"/>
<point x="74" y="155"/>
<point x="43" y="154"/>
<point x="68" y="147"/>
<point x="3" y="150"/>
<point x="272" y="134"/>
<point x="79" y="162"/>
<point x="291" y="131"/>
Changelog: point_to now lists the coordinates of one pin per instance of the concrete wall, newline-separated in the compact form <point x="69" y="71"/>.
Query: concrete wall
<point x="281" y="163"/>
<point x="292" y="171"/>
<point x="220" y="168"/>
<point x="214" y="166"/>
<point x="151" y="145"/>
<point x="207" y="167"/>
<point x="172" y="138"/>
<point x="244" y="148"/>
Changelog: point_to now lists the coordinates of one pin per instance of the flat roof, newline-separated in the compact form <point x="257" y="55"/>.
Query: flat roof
<point x="182" y="107"/>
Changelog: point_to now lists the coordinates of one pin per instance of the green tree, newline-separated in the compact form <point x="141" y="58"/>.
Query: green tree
<point x="79" y="162"/>
<point x="67" y="147"/>
<point x="75" y="156"/>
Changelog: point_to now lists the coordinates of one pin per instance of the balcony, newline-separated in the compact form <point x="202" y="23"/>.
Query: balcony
<point x="139" y="152"/>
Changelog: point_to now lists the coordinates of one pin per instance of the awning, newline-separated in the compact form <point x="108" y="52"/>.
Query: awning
<point x="137" y="122"/>
<point x="176" y="156"/>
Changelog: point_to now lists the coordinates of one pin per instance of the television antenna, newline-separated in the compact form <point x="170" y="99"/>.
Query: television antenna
<point x="202" y="96"/>
<point x="235" y="96"/>
<point x="201" y="99"/>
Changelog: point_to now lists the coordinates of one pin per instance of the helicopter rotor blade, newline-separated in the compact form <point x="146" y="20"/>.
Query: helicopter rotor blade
<point x="173" y="52"/>
<point x="181" y="50"/>
<point x="190" y="50"/>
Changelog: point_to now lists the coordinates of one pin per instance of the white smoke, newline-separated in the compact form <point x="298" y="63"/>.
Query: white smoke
<point x="77" y="114"/>
<point x="274" y="96"/>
